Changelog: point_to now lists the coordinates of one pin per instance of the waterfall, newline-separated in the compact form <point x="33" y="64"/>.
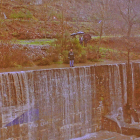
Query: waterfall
<point x="48" y="103"/>
<point x="60" y="103"/>
<point x="124" y="83"/>
<point x="115" y="88"/>
<point x="132" y="69"/>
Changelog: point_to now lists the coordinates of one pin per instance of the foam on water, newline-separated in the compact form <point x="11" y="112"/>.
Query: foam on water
<point x="87" y="136"/>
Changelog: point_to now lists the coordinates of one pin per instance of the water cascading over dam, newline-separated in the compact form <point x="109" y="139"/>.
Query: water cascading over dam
<point x="60" y="104"/>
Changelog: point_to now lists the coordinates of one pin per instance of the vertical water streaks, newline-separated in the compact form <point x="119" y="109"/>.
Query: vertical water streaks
<point x="77" y="114"/>
<point x="133" y="80"/>
<point x="72" y="90"/>
<point x="23" y="104"/>
<point x="89" y="100"/>
<point x="14" y="89"/>
<point x="94" y="98"/>
<point x="4" y="104"/>
<point x="124" y="84"/>
<point x="116" y="91"/>
<point x="135" y="70"/>
<point x="9" y="104"/>
<point x="115" y="88"/>
<point x="43" y="105"/>
<point x="135" y="84"/>
<point x="53" y="103"/>
<point x="118" y="87"/>
<point x="1" y="106"/>
<point x="13" y="103"/>
<point x="111" y="90"/>
<point x="26" y="127"/>
<point x="137" y="95"/>
<point x="59" y="103"/>
<point x="102" y="93"/>
<point x="123" y="79"/>
<point x="68" y="89"/>
<point x="86" y="99"/>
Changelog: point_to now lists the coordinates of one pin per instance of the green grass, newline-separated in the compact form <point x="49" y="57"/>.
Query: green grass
<point x="106" y="50"/>
<point x="35" y="42"/>
<point x="105" y="37"/>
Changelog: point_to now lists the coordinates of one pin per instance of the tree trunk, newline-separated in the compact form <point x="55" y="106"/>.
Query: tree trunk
<point x="101" y="32"/>
<point x="129" y="30"/>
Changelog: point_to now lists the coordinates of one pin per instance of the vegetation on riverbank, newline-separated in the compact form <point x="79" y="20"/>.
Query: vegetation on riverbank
<point x="35" y="33"/>
<point x="46" y="52"/>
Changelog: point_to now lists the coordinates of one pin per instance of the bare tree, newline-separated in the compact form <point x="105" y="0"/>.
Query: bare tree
<point x="129" y="11"/>
<point x="102" y="7"/>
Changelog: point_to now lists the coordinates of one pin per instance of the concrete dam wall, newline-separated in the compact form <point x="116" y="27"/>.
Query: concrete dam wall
<point x="60" y="104"/>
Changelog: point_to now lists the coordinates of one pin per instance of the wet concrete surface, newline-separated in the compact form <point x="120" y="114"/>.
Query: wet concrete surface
<point x="101" y="135"/>
<point x="106" y="135"/>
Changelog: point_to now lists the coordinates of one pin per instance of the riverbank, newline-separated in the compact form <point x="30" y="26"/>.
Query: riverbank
<point x="12" y="69"/>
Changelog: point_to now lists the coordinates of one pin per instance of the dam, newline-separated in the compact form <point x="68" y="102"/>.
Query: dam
<point x="65" y="103"/>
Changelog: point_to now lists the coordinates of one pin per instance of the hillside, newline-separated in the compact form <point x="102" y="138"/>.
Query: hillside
<point x="50" y="24"/>
<point x="28" y="21"/>
<point x="25" y="20"/>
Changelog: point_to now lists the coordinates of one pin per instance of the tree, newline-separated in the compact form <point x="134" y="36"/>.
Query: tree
<point x="102" y="7"/>
<point x="129" y="11"/>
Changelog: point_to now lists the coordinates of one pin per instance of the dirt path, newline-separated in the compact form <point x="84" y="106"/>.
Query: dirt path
<point x="106" y="62"/>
